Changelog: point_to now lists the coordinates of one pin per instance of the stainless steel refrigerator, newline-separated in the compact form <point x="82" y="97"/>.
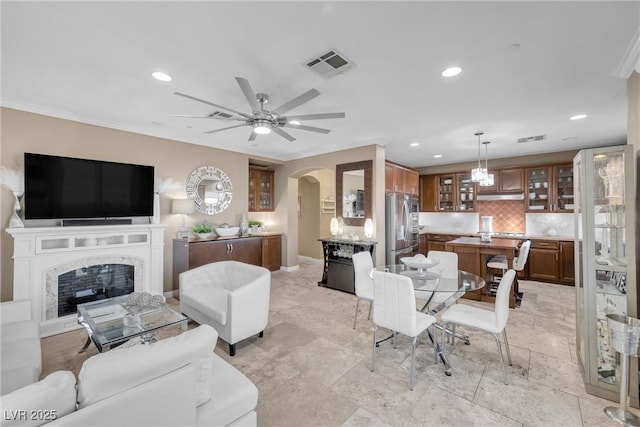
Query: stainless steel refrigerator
<point x="401" y="226"/>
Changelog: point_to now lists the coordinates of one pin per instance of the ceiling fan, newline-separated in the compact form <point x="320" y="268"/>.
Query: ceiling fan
<point x="264" y="121"/>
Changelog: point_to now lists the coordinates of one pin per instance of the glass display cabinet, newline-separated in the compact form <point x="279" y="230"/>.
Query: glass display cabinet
<point x="605" y="263"/>
<point x="446" y="199"/>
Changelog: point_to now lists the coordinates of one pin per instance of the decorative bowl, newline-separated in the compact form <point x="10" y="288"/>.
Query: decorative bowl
<point x="419" y="261"/>
<point x="543" y="197"/>
<point x="227" y="231"/>
<point x="203" y="235"/>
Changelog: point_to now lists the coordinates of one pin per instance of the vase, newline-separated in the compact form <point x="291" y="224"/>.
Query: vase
<point x="155" y="219"/>
<point x="16" y="221"/>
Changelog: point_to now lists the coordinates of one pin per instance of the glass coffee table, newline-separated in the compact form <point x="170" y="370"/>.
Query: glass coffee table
<point x="111" y="322"/>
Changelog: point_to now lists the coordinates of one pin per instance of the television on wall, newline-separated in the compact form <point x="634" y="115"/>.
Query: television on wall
<point x="69" y="188"/>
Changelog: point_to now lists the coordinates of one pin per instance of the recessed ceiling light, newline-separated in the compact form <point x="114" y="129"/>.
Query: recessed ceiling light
<point x="294" y="122"/>
<point x="578" y="117"/>
<point x="414" y="144"/>
<point x="451" y="71"/>
<point x="437" y="156"/>
<point x="163" y="77"/>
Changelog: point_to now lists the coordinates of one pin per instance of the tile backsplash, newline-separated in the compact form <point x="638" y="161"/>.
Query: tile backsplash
<point x="508" y="215"/>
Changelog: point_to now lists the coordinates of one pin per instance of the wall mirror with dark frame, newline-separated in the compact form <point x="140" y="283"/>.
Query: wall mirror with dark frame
<point x="353" y="192"/>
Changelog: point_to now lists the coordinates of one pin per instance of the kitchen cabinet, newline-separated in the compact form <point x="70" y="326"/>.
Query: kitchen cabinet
<point x="423" y="244"/>
<point x="428" y="191"/>
<point x="190" y="254"/>
<point x="261" y="195"/>
<point x="606" y="283"/>
<point x="543" y="261"/>
<point x="437" y="242"/>
<point x="505" y="181"/>
<point x="271" y="252"/>
<point x="465" y="193"/>
<point x="567" y="274"/>
<point x="446" y="200"/>
<point x="400" y="179"/>
<point x="550" y="189"/>
<point x="448" y="193"/>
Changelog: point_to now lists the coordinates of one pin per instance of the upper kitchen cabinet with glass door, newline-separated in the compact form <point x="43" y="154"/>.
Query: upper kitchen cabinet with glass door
<point x="466" y="193"/>
<point x="605" y="263"/>
<point x="539" y="189"/>
<point x="563" y="188"/>
<point x="446" y="193"/>
<point x="550" y="189"/>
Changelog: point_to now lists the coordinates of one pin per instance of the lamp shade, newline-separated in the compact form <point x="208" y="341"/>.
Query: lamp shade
<point x="333" y="226"/>
<point x="182" y="206"/>
<point x="368" y="228"/>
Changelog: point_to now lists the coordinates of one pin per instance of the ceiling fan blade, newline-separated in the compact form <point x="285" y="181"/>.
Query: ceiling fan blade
<point x="298" y="100"/>
<point x="187" y="116"/>
<point x="248" y="93"/>
<point x="212" y="104"/>
<point x="283" y="134"/>
<point x="309" y="128"/>
<point x="229" y="127"/>
<point x="320" y="116"/>
<point x="253" y="136"/>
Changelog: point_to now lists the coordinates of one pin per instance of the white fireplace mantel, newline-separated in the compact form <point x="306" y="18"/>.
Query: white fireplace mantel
<point x="39" y="250"/>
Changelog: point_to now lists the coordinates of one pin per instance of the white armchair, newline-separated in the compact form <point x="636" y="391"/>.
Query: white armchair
<point x="231" y="296"/>
<point x="20" y="345"/>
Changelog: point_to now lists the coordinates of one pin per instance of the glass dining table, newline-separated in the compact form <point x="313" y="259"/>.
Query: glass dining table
<point x="440" y="292"/>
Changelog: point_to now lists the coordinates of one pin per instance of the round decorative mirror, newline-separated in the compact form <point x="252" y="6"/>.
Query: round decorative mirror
<point x="210" y="189"/>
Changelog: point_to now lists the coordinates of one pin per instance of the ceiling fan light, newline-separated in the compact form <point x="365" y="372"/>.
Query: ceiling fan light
<point x="262" y="127"/>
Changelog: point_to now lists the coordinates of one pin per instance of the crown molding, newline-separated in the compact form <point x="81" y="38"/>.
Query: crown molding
<point x="631" y="59"/>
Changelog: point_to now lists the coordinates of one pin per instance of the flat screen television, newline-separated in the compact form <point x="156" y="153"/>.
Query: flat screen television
<point x="68" y="188"/>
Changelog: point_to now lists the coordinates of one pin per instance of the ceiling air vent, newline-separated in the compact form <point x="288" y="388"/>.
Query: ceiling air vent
<point x="532" y="138"/>
<point x="329" y="64"/>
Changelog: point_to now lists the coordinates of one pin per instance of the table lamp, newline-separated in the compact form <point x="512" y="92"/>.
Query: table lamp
<point x="368" y="228"/>
<point x="183" y="207"/>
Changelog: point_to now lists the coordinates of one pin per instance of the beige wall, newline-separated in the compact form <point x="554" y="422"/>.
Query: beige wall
<point x="288" y="179"/>
<point x="309" y="218"/>
<point x="326" y="181"/>
<point x="26" y="132"/>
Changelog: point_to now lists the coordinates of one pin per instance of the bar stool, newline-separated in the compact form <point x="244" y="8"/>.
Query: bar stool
<point x="499" y="262"/>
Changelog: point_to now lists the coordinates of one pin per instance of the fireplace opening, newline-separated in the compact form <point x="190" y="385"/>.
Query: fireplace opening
<point x="93" y="283"/>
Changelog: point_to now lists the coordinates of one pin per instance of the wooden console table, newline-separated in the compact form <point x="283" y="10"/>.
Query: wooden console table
<point x="338" y="267"/>
<point x="473" y="256"/>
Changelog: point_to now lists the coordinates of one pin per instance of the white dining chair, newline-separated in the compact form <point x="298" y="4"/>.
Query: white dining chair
<point x="447" y="268"/>
<point x="493" y="322"/>
<point x="394" y="308"/>
<point x="363" y="266"/>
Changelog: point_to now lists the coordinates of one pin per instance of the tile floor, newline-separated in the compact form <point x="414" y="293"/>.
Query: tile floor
<point x="313" y="369"/>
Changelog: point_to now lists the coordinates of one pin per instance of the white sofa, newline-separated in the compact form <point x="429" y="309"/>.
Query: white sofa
<point x="231" y="296"/>
<point x="177" y="381"/>
<point x="21" y="358"/>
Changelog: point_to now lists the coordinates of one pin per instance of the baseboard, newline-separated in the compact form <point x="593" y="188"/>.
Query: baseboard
<point x="290" y="269"/>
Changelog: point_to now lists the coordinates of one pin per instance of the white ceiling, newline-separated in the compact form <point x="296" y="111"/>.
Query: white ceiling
<point x="92" y="62"/>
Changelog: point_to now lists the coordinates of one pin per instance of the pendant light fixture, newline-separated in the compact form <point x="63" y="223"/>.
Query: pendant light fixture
<point x="479" y="173"/>
<point x="488" y="179"/>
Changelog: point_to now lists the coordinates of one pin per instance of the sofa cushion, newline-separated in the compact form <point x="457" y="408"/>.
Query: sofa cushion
<point x="41" y="402"/>
<point x="232" y="395"/>
<point x="211" y="300"/>
<point x="21" y="364"/>
<point x="109" y="373"/>
<point x="18" y="331"/>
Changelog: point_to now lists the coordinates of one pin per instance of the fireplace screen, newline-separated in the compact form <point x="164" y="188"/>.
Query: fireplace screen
<point x="91" y="284"/>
